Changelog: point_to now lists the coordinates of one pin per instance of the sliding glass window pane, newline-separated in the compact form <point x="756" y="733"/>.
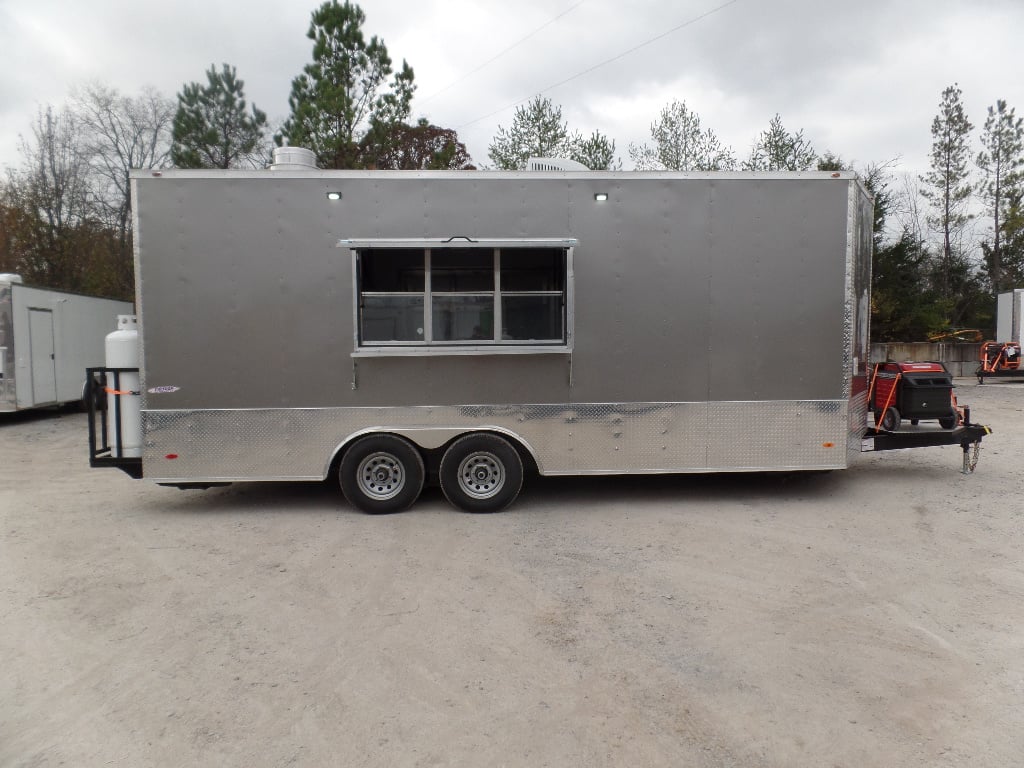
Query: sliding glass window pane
<point x="391" y="270"/>
<point x="532" y="269"/>
<point x="462" y="270"/>
<point x="463" y="318"/>
<point x="392" y="318"/>
<point x="532" y="318"/>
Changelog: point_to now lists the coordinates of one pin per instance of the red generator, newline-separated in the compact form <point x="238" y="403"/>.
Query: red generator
<point x="913" y="392"/>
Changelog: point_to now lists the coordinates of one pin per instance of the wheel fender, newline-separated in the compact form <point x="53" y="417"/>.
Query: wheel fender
<point x="429" y="438"/>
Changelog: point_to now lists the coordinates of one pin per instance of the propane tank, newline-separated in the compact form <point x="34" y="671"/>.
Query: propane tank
<point x="123" y="399"/>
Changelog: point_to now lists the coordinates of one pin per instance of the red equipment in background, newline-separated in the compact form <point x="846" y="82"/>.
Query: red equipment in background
<point x="914" y="392"/>
<point x="999" y="359"/>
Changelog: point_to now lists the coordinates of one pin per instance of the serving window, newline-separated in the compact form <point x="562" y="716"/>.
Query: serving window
<point x="462" y="293"/>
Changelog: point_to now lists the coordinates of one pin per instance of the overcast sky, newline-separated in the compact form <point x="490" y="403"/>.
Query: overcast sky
<point x="862" y="79"/>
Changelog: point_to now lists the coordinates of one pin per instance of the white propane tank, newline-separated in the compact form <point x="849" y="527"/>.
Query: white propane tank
<point x="122" y="351"/>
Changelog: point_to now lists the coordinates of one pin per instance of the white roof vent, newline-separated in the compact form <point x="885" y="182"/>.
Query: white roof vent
<point x="293" y="159"/>
<point x="554" y="164"/>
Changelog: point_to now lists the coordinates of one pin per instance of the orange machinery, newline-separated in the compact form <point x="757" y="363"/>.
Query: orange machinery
<point x="999" y="359"/>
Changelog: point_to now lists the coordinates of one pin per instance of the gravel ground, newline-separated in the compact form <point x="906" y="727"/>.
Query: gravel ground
<point x="870" y="617"/>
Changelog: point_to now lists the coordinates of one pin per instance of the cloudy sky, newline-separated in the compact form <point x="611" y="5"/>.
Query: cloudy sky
<point x="862" y="79"/>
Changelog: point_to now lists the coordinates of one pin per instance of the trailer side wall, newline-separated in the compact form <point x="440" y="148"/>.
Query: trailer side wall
<point x="713" y="321"/>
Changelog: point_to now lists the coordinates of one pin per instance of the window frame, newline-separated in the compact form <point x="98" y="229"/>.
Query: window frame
<point x="428" y="346"/>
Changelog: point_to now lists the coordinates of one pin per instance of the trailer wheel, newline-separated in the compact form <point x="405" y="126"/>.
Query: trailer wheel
<point x="948" y="422"/>
<point x="481" y="473"/>
<point x="381" y="473"/>
<point x="891" y="420"/>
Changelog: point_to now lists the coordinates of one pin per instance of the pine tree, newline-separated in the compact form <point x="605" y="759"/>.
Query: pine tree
<point x="537" y="131"/>
<point x="948" y="185"/>
<point x="776" y="149"/>
<point x="213" y="128"/>
<point x="1001" y="160"/>
<point x="681" y="144"/>
<point x="343" y="101"/>
<point x="597" y="152"/>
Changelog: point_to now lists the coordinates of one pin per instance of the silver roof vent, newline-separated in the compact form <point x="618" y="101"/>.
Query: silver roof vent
<point x="554" y="164"/>
<point x="293" y="159"/>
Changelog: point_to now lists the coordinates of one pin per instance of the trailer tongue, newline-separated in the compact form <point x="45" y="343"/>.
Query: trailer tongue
<point x="967" y="436"/>
<point x="918" y="392"/>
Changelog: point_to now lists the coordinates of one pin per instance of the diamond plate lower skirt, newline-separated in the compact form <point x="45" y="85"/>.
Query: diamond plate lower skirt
<point x="593" y="438"/>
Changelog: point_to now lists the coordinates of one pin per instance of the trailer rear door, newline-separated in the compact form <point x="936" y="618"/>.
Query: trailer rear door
<point x="44" y="374"/>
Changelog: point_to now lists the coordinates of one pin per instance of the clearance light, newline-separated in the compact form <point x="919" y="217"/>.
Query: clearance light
<point x="334" y="195"/>
<point x="601" y="197"/>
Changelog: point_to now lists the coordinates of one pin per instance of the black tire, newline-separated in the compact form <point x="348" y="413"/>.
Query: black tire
<point x="481" y="473"/>
<point x="948" y="422"/>
<point x="891" y="420"/>
<point x="381" y="474"/>
<point x="914" y="422"/>
<point x="99" y="396"/>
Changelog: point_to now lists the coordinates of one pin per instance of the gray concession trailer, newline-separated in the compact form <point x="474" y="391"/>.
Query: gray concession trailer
<point x="465" y="327"/>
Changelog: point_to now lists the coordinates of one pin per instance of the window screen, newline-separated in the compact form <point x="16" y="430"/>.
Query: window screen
<point x="436" y="296"/>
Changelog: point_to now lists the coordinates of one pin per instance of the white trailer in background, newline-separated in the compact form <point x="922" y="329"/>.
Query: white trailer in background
<point x="1010" y="315"/>
<point x="47" y="340"/>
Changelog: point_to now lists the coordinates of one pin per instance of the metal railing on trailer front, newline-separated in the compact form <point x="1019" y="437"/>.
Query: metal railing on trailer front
<point x="106" y="438"/>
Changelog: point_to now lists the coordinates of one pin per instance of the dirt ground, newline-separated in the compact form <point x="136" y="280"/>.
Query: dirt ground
<point x="870" y="617"/>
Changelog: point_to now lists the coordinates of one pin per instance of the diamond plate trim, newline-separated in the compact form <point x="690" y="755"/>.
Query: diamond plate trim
<point x="850" y="299"/>
<point x="594" y="438"/>
<point x="858" y="422"/>
<point x="780" y="435"/>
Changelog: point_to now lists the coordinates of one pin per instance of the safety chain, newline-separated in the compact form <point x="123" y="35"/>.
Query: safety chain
<point x="970" y="462"/>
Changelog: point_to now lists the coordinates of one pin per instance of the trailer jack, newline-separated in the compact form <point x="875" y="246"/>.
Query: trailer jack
<point x="971" y="461"/>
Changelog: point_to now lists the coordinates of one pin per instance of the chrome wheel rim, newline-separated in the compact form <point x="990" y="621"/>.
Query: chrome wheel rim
<point x="481" y="475"/>
<point x="381" y="476"/>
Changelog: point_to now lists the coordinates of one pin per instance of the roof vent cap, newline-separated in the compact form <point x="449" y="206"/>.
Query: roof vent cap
<point x="554" y="164"/>
<point x="293" y="159"/>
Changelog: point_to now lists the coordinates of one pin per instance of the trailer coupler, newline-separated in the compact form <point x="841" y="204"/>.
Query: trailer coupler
<point x="966" y="436"/>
